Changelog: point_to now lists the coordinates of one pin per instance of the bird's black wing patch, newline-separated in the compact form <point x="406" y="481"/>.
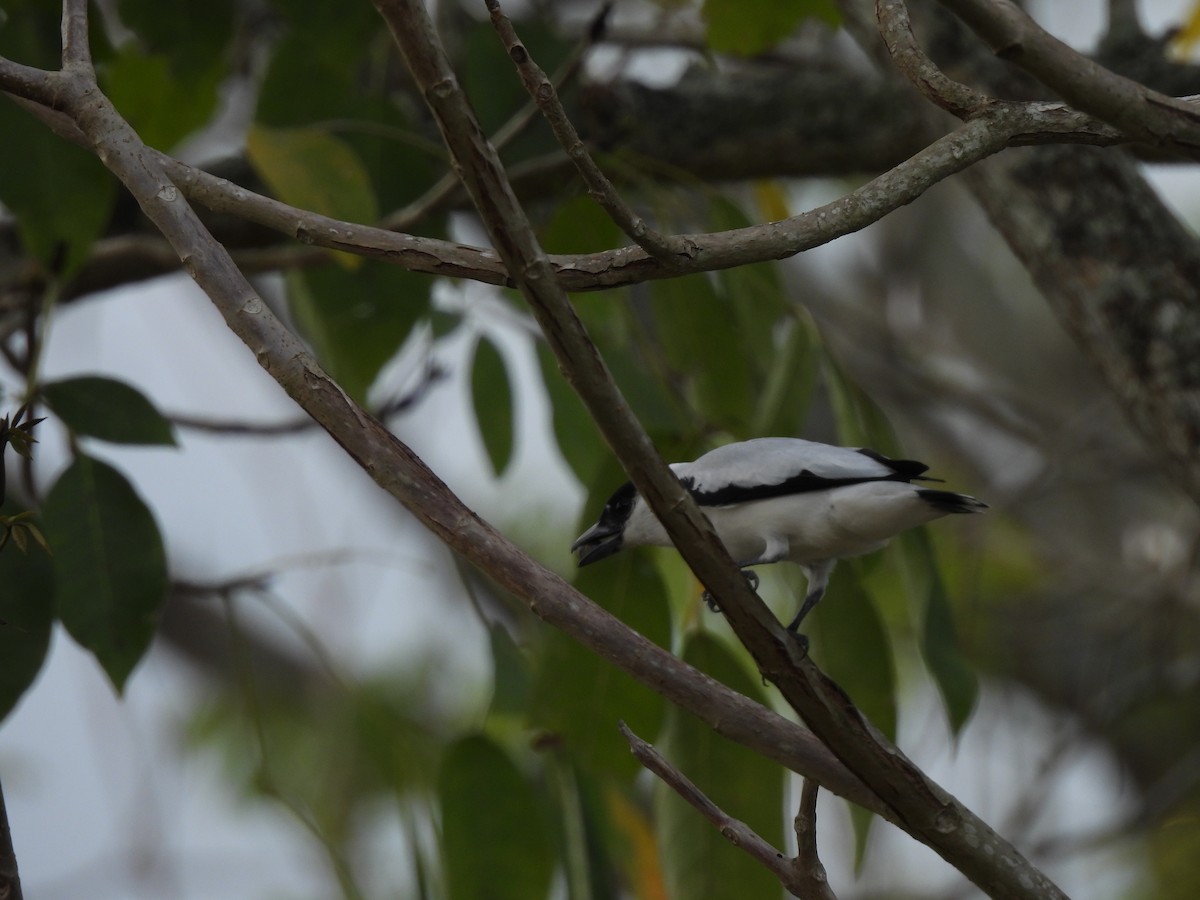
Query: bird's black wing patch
<point x="804" y="482"/>
<point x="909" y="468"/>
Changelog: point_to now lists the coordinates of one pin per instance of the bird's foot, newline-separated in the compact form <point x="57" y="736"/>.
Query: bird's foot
<point x="711" y="602"/>
<point x="801" y="641"/>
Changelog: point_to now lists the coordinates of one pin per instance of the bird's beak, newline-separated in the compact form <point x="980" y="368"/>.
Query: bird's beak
<point x="598" y="542"/>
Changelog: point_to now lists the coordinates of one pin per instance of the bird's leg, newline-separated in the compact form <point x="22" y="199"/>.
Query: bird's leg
<point x="810" y="601"/>
<point x="711" y="602"/>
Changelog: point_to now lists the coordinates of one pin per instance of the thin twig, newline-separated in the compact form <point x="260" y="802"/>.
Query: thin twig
<point x="445" y="187"/>
<point x="541" y="89"/>
<point x="733" y="830"/>
<point x="895" y="28"/>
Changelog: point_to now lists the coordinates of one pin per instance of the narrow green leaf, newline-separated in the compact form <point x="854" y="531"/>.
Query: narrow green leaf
<point x="692" y="324"/>
<point x="854" y="647"/>
<point x="357" y="321"/>
<point x="314" y="170"/>
<point x="491" y="395"/>
<point x="581" y="697"/>
<point x="495" y="839"/>
<point x="855" y="651"/>
<point x="955" y="678"/>
<point x="748" y="27"/>
<point x="574" y="430"/>
<point x="26" y="614"/>
<point x="110" y="569"/>
<point x="510" y="679"/>
<point x="698" y="862"/>
<point x="107" y="409"/>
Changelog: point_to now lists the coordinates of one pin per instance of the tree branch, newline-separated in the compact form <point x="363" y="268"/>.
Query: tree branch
<point x="733" y="830"/>
<point x="662" y="248"/>
<point x="1135" y="109"/>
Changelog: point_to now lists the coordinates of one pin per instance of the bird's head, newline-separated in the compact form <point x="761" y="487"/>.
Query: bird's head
<point x="607" y="536"/>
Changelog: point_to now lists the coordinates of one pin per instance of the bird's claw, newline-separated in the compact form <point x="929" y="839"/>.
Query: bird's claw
<point x="711" y="602"/>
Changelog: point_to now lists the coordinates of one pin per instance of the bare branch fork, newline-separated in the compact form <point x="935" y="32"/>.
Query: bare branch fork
<point x="803" y="876"/>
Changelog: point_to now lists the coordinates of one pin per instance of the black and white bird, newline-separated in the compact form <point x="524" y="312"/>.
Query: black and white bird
<point x="775" y="499"/>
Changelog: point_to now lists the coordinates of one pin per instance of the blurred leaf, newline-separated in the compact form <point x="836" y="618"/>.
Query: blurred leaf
<point x="107" y="409"/>
<point x="31" y="33"/>
<point x="577" y="438"/>
<point x="698" y="862"/>
<point x="854" y="648"/>
<point x="748" y="27"/>
<point x="26" y="616"/>
<point x="311" y="169"/>
<point x="195" y="35"/>
<point x="492" y="398"/>
<point x="60" y="194"/>
<point x="692" y="324"/>
<point x="579" y="225"/>
<point x="162" y="108"/>
<point x="1185" y="38"/>
<point x="771" y="198"/>
<point x="790" y="384"/>
<point x="860" y="422"/>
<point x="955" y="678"/>
<point x="110" y="569"/>
<point x="637" y="852"/>
<point x="495" y="841"/>
<point x="855" y="651"/>
<point x="582" y="697"/>
<point x="510" y="692"/>
<point x="491" y="81"/>
<point x="356" y="321"/>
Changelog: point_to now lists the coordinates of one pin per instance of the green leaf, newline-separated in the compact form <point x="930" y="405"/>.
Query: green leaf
<point x="854" y="648"/>
<point x="107" y="409"/>
<point x="579" y="225"/>
<point x="110" y="568"/>
<point x="574" y="432"/>
<point x="510" y="678"/>
<point x="495" y="840"/>
<point x="356" y="321"/>
<point x="196" y="35"/>
<point x="60" y="194"/>
<point x="162" y="108"/>
<point x="748" y="27"/>
<point x="698" y="863"/>
<point x="955" y="678"/>
<point x="692" y="324"/>
<point x="26" y="615"/>
<point x="313" y="170"/>
<point x="491" y="395"/>
<point x="581" y="697"/>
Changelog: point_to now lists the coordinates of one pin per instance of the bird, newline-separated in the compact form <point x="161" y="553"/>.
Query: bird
<point x="776" y="499"/>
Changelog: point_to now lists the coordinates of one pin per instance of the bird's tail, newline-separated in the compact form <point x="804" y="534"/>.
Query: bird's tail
<point x="950" y="502"/>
